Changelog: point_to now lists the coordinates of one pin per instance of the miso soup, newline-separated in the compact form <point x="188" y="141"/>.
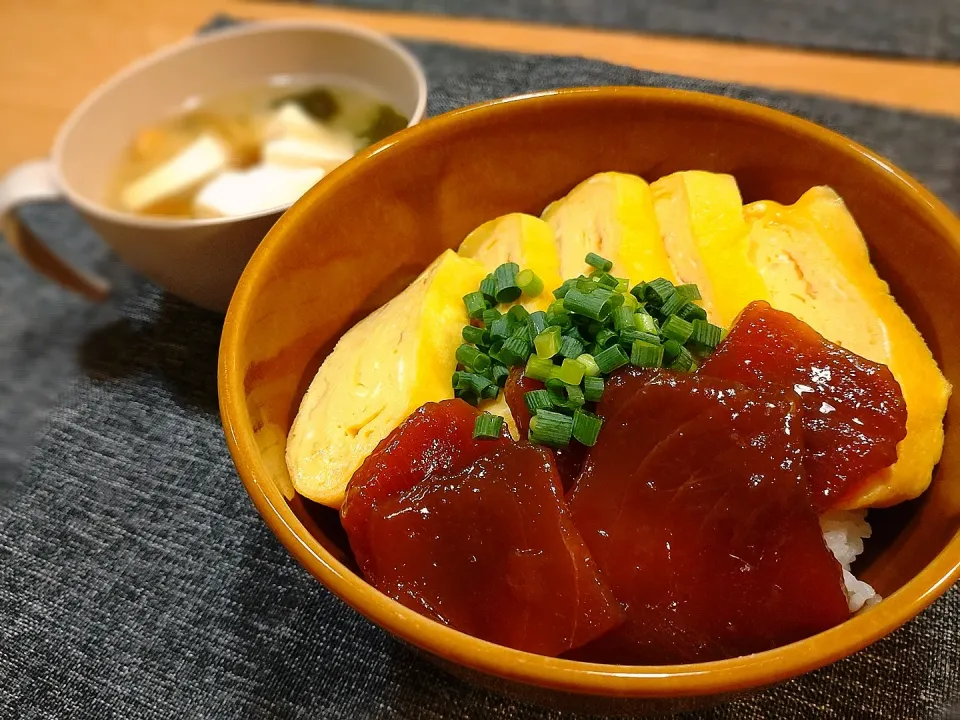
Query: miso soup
<point x="248" y="150"/>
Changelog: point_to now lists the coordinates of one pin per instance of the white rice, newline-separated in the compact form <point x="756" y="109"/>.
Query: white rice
<point x="844" y="532"/>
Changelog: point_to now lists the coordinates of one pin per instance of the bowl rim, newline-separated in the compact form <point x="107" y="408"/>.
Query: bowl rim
<point x="717" y="677"/>
<point x="241" y="30"/>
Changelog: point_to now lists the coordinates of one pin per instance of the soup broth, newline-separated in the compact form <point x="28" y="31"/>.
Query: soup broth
<point x="247" y="150"/>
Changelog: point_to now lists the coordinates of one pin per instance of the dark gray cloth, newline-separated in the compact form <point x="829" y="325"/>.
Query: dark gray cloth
<point x="920" y="28"/>
<point x="44" y="329"/>
<point x="137" y="581"/>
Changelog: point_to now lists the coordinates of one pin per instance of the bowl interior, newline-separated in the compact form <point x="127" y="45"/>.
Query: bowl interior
<point x="385" y="216"/>
<point x="244" y="57"/>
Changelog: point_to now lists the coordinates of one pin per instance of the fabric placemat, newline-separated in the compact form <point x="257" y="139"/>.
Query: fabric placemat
<point x="137" y="581"/>
<point x="44" y="329"/>
<point x="919" y="28"/>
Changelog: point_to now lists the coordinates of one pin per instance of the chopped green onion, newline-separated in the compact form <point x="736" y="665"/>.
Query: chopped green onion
<point x="565" y="395"/>
<point x="496" y="345"/>
<point x="706" y="334"/>
<point x="539" y="368"/>
<point x="600" y="263"/>
<point x="606" y="338"/>
<point x="581" y="321"/>
<point x="570" y="347"/>
<point x="689" y="292"/>
<point x="470" y="357"/>
<point x="593" y="388"/>
<point x="575" y="333"/>
<point x="506" y="278"/>
<point x="575" y="397"/>
<point x="610" y="359"/>
<point x="644" y="354"/>
<point x="630" y="336"/>
<point x="489" y="315"/>
<point x="487" y="426"/>
<point x="518" y="313"/>
<point x="570" y="371"/>
<point x="671" y="348"/>
<point x="547" y="343"/>
<point x="537" y="400"/>
<point x="676" y="328"/>
<point x="475" y="335"/>
<point x="556" y="315"/>
<point x="596" y="305"/>
<point x="567" y="285"/>
<point x="470" y="381"/>
<point x="672" y="304"/>
<point x="467" y="396"/>
<point x="501" y="328"/>
<point x="515" y="350"/>
<point x="608" y="281"/>
<point x="590" y="367"/>
<point x="657" y="291"/>
<point x="552" y="428"/>
<point x="475" y="303"/>
<point x="622" y="318"/>
<point x="639" y="291"/>
<point x="586" y="427"/>
<point x="529" y="284"/>
<point x="536" y="323"/>
<point x="490" y="391"/>
<point x="623" y="284"/>
<point x="684" y="361"/>
<point x="488" y="286"/>
<point x="560" y="319"/>
<point x="586" y="285"/>
<point x="690" y="312"/>
<point x="499" y="374"/>
<point x="629" y="301"/>
<point x="645" y="323"/>
<point x="593" y="327"/>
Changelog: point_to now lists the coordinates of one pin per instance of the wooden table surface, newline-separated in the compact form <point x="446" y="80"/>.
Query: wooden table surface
<point x="54" y="52"/>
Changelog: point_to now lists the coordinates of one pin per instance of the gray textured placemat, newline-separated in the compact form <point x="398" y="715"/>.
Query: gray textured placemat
<point x="45" y="330"/>
<point x="137" y="581"/>
<point x="919" y="28"/>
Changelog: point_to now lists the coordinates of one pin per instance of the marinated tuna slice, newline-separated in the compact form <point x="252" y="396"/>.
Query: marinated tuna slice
<point x="491" y="551"/>
<point x="516" y="387"/>
<point x="694" y="505"/>
<point x="569" y="460"/>
<point x="853" y="411"/>
<point x="436" y="438"/>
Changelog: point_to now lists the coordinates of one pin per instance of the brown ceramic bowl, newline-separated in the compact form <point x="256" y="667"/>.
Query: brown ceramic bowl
<point x="386" y="214"/>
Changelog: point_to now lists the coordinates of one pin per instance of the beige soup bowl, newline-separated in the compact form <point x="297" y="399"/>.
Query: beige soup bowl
<point x="198" y="260"/>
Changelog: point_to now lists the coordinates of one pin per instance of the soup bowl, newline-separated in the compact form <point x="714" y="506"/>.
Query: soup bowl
<point x="199" y="260"/>
<point x="387" y="213"/>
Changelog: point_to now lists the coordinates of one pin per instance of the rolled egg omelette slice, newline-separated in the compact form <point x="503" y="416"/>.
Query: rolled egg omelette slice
<point x="523" y="239"/>
<point x="808" y="259"/>
<point x="814" y="263"/>
<point x="610" y="214"/>
<point x="700" y="215"/>
<point x="382" y="369"/>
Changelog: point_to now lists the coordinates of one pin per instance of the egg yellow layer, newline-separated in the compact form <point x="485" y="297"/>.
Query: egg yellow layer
<point x="610" y="214"/>
<point x="701" y="218"/>
<point x="522" y="239"/>
<point x="385" y="367"/>
<point x="814" y="263"/>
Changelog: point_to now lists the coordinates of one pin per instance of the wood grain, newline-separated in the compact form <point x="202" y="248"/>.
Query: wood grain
<point x="54" y="52"/>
